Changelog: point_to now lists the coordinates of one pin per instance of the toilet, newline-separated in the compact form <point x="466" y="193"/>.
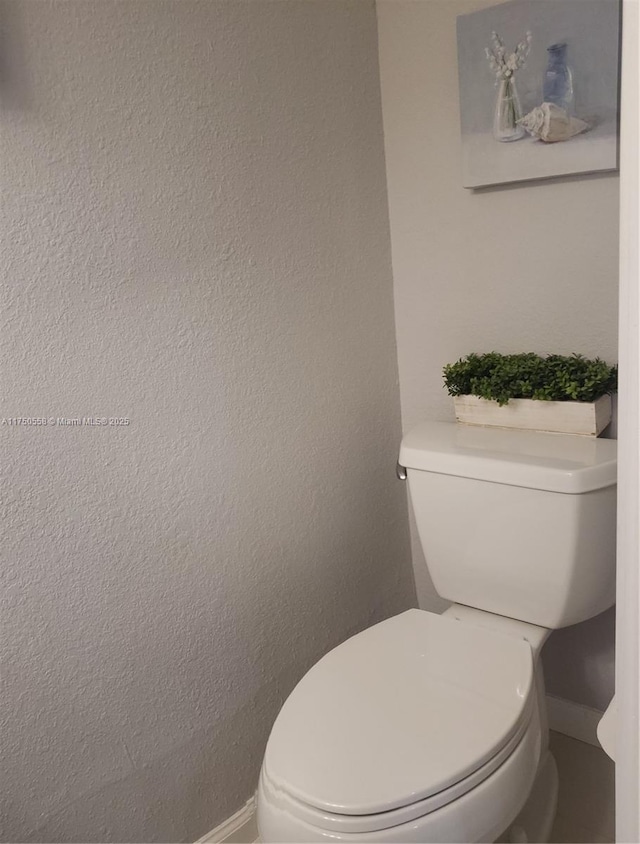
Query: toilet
<point x="432" y="728"/>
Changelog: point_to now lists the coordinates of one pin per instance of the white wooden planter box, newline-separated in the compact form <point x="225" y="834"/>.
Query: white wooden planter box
<point x="561" y="417"/>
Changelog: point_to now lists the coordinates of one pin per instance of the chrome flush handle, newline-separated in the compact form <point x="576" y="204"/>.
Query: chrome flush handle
<point x="401" y="472"/>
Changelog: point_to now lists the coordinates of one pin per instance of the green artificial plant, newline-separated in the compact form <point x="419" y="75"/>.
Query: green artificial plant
<point x="499" y="377"/>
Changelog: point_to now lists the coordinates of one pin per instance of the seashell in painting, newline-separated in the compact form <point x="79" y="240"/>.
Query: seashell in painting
<point x="551" y="124"/>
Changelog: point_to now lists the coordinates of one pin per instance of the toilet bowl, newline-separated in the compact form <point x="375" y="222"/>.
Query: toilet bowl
<point x="426" y="727"/>
<point x="421" y="728"/>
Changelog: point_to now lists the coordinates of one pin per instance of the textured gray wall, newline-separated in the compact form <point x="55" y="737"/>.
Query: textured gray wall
<point x="526" y="268"/>
<point x="195" y="236"/>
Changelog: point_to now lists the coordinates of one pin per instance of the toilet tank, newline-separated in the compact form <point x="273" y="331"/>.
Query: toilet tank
<point x="516" y="523"/>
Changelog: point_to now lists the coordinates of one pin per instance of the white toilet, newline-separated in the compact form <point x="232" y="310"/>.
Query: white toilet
<point x="432" y="727"/>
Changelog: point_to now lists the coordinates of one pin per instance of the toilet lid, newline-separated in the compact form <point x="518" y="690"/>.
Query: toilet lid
<point x="405" y="709"/>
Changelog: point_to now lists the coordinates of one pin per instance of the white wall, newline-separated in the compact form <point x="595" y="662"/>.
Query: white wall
<point x="195" y="236"/>
<point x="628" y="585"/>
<point x="528" y="268"/>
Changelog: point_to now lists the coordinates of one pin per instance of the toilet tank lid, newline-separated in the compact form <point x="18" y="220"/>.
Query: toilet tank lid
<point x="564" y="463"/>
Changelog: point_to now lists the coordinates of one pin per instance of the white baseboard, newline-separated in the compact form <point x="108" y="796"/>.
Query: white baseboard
<point x="573" y="719"/>
<point x="240" y="828"/>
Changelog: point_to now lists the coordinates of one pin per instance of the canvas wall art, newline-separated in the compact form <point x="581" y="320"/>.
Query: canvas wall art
<point x="538" y="90"/>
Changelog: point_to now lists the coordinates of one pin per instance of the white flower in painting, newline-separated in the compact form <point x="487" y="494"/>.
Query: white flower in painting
<point x="504" y="66"/>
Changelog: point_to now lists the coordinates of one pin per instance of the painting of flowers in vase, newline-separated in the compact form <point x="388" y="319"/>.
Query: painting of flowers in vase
<point x="538" y="90"/>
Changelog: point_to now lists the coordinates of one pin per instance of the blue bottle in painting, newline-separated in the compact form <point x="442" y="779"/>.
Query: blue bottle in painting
<point x="558" y="79"/>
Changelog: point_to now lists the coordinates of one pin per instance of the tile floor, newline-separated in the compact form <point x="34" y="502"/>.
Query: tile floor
<point x="586" y="800"/>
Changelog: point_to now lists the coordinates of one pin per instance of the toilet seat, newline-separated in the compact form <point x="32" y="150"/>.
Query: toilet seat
<point x="358" y="824"/>
<point x="481" y="814"/>
<point x="398" y="721"/>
